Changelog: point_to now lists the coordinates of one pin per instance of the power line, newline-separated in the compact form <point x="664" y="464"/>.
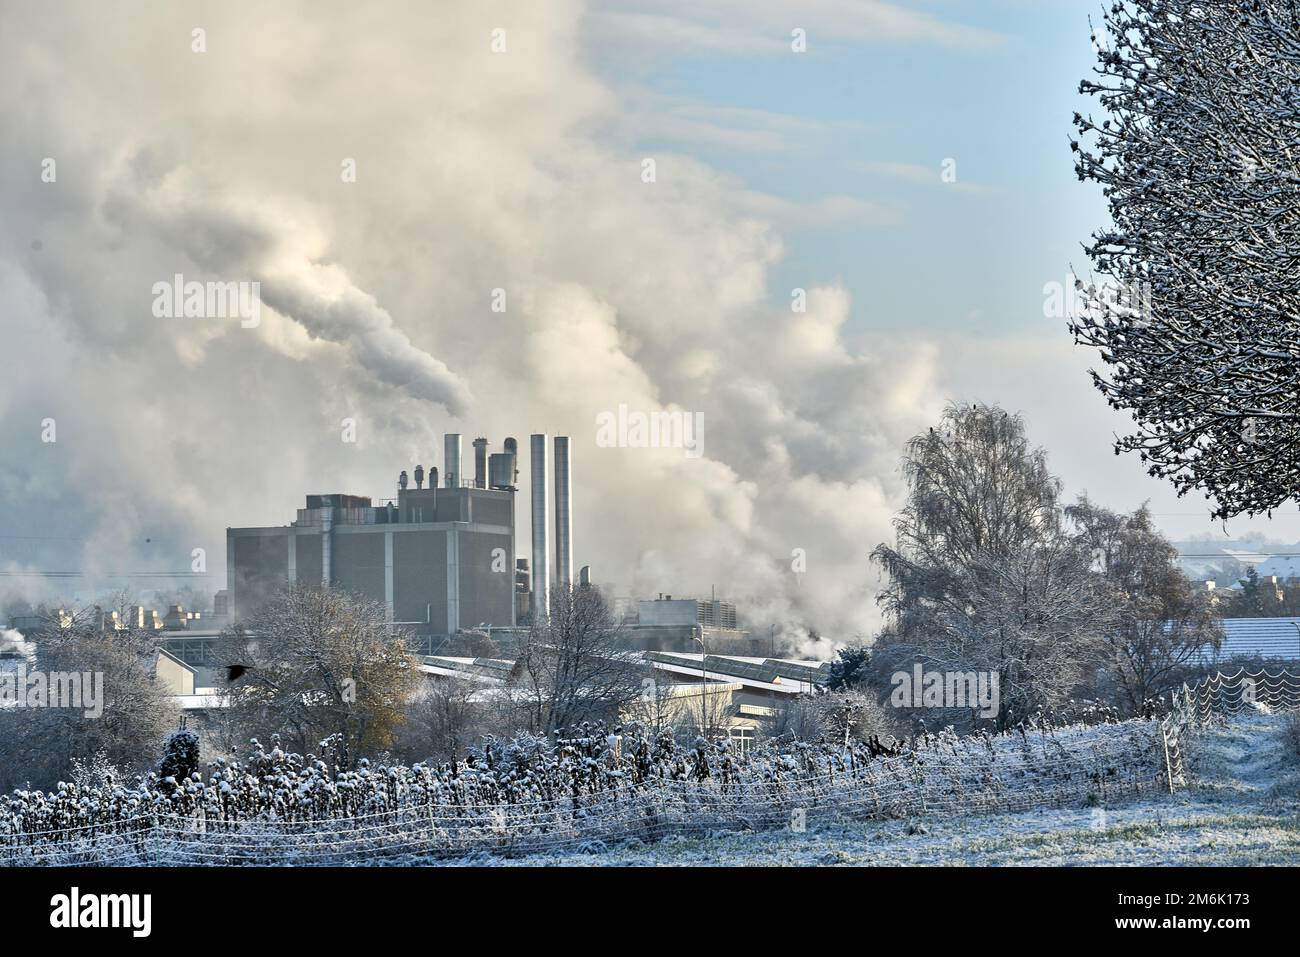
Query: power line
<point x="122" y="575"/>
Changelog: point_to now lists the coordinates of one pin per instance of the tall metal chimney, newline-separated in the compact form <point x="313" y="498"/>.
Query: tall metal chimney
<point x="480" y="463"/>
<point x="563" y="514"/>
<point x="451" y="459"/>
<point x="541" y="566"/>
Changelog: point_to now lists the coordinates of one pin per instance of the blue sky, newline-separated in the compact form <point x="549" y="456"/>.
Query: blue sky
<point x="855" y="132"/>
<point x="874" y="121"/>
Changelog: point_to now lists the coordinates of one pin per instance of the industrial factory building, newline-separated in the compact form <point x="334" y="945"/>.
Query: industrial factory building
<point x="440" y="558"/>
<point x="687" y="624"/>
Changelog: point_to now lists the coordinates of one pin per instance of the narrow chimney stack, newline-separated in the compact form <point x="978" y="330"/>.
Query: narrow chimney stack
<point x="563" y="513"/>
<point x="541" y="565"/>
<point x="451" y="459"/>
<point x="480" y="462"/>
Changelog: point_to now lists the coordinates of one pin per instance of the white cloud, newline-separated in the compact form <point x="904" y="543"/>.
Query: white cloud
<point x="669" y="28"/>
<point x="475" y="172"/>
<point x="921" y="174"/>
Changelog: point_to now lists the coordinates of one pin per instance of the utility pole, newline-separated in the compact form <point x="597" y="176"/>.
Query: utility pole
<point x="704" y="679"/>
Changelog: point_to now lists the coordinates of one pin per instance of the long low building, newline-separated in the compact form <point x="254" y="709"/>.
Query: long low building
<point x="733" y="695"/>
<point x="1252" y="638"/>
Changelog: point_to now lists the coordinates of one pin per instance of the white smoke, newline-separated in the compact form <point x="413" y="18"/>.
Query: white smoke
<point x="475" y="173"/>
<point x="263" y="244"/>
<point x="12" y="642"/>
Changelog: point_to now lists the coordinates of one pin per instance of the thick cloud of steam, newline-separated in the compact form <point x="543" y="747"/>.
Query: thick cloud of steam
<point x="13" y="643"/>
<point x="264" y="245"/>
<point x="475" y="172"/>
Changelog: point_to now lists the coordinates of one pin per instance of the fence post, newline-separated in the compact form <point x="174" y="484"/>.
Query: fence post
<point x="1169" y="768"/>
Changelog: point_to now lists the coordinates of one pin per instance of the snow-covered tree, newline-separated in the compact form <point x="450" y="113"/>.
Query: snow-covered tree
<point x="1161" y="620"/>
<point x="850" y="667"/>
<point x="317" y="662"/>
<point x="577" y="665"/>
<point x="180" y="756"/>
<point x="38" y="745"/>
<point x="984" y="577"/>
<point x="443" y="719"/>
<point x="1198" y="316"/>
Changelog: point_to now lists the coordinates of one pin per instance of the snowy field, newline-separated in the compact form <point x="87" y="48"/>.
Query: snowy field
<point x="1242" y="808"/>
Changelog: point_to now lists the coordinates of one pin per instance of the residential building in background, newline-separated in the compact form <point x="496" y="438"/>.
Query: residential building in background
<point x="691" y="625"/>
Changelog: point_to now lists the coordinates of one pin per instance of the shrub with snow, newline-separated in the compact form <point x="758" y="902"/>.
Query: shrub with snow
<point x="180" y="756"/>
<point x="592" y="786"/>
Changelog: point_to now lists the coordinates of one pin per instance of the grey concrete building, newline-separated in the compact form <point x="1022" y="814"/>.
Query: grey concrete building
<point x="439" y="559"/>
<point x="666" y="610"/>
<point x="685" y="624"/>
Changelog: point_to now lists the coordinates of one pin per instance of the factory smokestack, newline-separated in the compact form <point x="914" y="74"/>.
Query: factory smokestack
<point x="480" y="463"/>
<point x="451" y="459"/>
<point x="563" y="513"/>
<point x="541" y="566"/>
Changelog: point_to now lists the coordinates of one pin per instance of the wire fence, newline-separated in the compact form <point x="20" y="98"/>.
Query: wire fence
<point x="597" y="792"/>
<point x="606" y="796"/>
<point x="1221" y="696"/>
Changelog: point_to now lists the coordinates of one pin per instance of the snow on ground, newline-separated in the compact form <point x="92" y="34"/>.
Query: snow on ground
<point x="1243" y="808"/>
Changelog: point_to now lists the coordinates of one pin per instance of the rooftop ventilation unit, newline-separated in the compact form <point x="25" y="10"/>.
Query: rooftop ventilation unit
<point x="451" y="459"/>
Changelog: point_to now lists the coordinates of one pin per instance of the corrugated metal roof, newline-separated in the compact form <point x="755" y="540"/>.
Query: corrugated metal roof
<point x="482" y="669"/>
<point x="1257" y="638"/>
<point x="691" y="670"/>
<point x="768" y="670"/>
<point x="813" y="674"/>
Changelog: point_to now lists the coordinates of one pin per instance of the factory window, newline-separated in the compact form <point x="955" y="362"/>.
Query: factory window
<point x="742" y="739"/>
<point x="193" y="652"/>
